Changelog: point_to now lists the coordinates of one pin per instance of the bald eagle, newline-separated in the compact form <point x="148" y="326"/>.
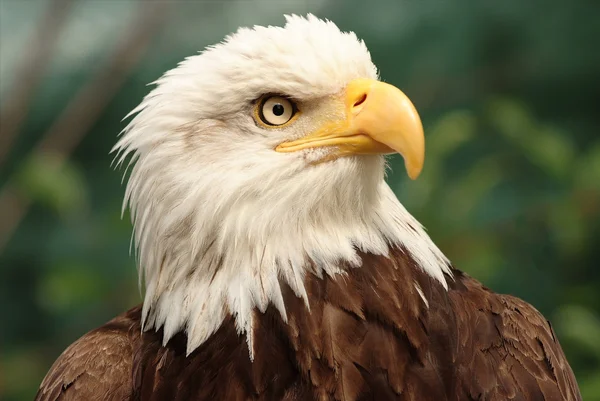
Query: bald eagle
<point x="276" y="261"/>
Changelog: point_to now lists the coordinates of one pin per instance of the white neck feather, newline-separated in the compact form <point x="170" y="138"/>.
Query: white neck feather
<point x="195" y="276"/>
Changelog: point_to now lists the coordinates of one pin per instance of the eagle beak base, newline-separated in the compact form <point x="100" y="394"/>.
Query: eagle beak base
<point x="380" y="119"/>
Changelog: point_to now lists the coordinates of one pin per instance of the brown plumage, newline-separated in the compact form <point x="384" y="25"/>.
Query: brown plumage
<point x="368" y="336"/>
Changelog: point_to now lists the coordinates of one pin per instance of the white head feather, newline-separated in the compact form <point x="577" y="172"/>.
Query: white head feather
<point x="221" y="218"/>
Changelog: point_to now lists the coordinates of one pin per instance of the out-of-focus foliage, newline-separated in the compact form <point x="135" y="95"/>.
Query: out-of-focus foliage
<point x="509" y="93"/>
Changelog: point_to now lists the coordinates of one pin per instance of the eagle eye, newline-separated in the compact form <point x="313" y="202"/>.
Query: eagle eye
<point x="275" y="110"/>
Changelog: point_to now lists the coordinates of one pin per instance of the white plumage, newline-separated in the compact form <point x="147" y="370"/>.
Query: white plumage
<point x="220" y="217"/>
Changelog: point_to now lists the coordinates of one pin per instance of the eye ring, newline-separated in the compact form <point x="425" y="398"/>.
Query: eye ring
<point x="275" y="110"/>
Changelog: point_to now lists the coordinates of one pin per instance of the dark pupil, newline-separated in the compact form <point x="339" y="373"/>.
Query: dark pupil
<point x="278" y="109"/>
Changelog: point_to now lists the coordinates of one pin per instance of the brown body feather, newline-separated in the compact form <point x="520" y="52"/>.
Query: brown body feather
<point x="368" y="336"/>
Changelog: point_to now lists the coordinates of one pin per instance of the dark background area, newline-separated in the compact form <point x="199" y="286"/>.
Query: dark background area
<point x="509" y="92"/>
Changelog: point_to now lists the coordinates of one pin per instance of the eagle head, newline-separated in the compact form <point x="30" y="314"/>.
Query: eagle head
<point x="259" y="161"/>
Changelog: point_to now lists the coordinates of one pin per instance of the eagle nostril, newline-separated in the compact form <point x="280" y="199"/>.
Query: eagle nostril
<point x="360" y="100"/>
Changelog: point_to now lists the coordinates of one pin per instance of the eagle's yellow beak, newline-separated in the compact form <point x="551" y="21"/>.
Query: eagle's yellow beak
<point x="380" y="119"/>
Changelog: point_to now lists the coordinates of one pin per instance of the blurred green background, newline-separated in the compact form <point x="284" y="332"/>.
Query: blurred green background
<point x="509" y="92"/>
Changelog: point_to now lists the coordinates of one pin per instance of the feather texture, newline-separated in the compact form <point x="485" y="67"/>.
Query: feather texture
<point x="368" y="335"/>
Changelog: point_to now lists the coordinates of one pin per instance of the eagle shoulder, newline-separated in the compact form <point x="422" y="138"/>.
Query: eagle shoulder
<point x="506" y="348"/>
<point x="97" y="366"/>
